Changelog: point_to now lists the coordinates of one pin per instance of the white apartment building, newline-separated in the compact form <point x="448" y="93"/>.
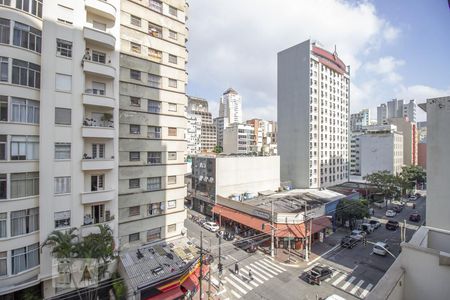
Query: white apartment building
<point x="313" y="116"/>
<point x="359" y="120"/>
<point x="59" y="90"/>
<point x="239" y="139"/>
<point x="410" y="110"/>
<point x="193" y="134"/>
<point x="221" y="123"/>
<point x="199" y="116"/>
<point x="231" y="106"/>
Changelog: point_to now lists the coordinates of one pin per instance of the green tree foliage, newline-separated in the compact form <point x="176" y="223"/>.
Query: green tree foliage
<point x="119" y="287"/>
<point x="389" y="185"/>
<point x="413" y="174"/>
<point x="348" y="210"/>
<point x="63" y="243"/>
<point x="218" y="149"/>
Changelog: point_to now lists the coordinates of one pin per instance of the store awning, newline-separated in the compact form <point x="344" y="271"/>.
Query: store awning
<point x="174" y="293"/>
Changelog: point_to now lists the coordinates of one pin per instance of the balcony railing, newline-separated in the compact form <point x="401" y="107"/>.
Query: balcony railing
<point x="98" y="123"/>
<point x="98" y="92"/>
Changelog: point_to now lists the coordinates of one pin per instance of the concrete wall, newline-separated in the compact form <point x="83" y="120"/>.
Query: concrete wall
<point x="377" y="153"/>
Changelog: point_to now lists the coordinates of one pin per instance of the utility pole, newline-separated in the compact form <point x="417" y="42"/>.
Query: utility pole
<point x="306" y="233"/>
<point x="220" y="254"/>
<point x="310" y="234"/>
<point x="272" y="232"/>
<point x="201" y="263"/>
<point x="289" y="246"/>
<point x="209" y="283"/>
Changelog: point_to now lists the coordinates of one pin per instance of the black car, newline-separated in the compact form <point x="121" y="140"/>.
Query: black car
<point x="246" y="245"/>
<point x="348" y="242"/>
<point x="392" y="225"/>
<point x="414" y="217"/>
<point x="317" y="274"/>
<point x="228" y="236"/>
<point x="397" y="208"/>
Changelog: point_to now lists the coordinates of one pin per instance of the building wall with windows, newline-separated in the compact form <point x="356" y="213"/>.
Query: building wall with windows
<point x="202" y="134"/>
<point x="231" y="106"/>
<point x="410" y="139"/>
<point x="239" y="139"/>
<point x="359" y="120"/>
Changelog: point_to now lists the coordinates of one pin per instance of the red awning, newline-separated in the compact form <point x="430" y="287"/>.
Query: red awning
<point x="169" y="295"/>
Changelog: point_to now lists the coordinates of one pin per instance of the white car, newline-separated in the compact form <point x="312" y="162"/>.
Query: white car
<point x="380" y="248"/>
<point x="211" y="226"/>
<point x="358" y="234"/>
<point x="334" y="297"/>
<point x="390" y="213"/>
<point x="412" y="198"/>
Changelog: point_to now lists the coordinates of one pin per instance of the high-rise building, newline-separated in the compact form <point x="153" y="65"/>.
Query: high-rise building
<point x="410" y="110"/>
<point x="239" y="139"/>
<point x="359" y="120"/>
<point x="221" y="123"/>
<point x="382" y="114"/>
<point x="198" y="109"/>
<point x="59" y="87"/>
<point x="193" y="134"/>
<point x="152" y="120"/>
<point x="410" y="139"/>
<point x="231" y="106"/>
<point x="313" y="116"/>
<point x="396" y="109"/>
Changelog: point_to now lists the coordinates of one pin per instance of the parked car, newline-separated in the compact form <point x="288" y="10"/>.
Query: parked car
<point x="246" y="245"/>
<point x="397" y="208"/>
<point x="348" y="242"/>
<point x="390" y="213"/>
<point x="228" y="236"/>
<point x="392" y="225"/>
<point x="412" y="198"/>
<point x="380" y="248"/>
<point x="358" y="234"/>
<point x="414" y="217"/>
<point x="376" y="224"/>
<point x="334" y="297"/>
<point x="366" y="227"/>
<point x="317" y="274"/>
<point x="211" y="226"/>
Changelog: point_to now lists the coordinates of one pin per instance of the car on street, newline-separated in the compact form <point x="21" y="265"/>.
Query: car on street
<point x="211" y="226"/>
<point x="390" y="213"/>
<point x="366" y="227"/>
<point x="348" y="242"/>
<point x="376" y="224"/>
<point x="248" y="246"/>
<point x="228" y="236"/>
<point x="412" y="198"/>
<point x="334" y="297"/>
<point x="380" y="248"/>
<point x="392" y="225"/>
<point x="317" y="274"/>
<point x="414" y="217"/>
<point x="397" y="208"/>
<point x="358" y="234"/>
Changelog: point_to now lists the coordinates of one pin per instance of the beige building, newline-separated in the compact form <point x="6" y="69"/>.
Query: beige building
<point x="201" y="132"/>
<point x="239" y="139"/>
<point x="410" y="139"/>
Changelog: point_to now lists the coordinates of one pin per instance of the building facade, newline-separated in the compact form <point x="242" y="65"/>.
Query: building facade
<point x="220" y="123"/>
<point x="313" y="90"/>
<point x="231" y="106"/>
<point x="193" y="134"/>
<point x="410" y="139"/>
<point x="396" y="109"/>
<point x="198" y="108"/>
<point x="410" y="110"/>
<point x="359" y="120"/>
<point x="265" y="135"/>
<point x="239" y="139"/>
<point x="382" y="114"/>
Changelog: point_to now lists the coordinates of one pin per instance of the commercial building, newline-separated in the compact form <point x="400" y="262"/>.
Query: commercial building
<point x="193" y="134"/>
<point x="199" y="116"/>
<point x="410" y="139"/>
<point x="382" y="114"/>
<point x="264" y="135"/>
<point x="422" y="270"/>
<point x="359" y="120"/>
<point x="231" y="106"/>
<point x="355" y="153"/>
<point x="220" y="123"/>
<point x="397" y="109"/>
<point x="313" y="90"/>
<point x="239" y="139"/>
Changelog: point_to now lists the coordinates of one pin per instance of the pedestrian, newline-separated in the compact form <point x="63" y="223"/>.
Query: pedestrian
<point x="250" y="275"/>
<point x="236" y="269"/>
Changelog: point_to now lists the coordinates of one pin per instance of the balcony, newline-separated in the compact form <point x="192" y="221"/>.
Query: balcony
<point x="98" y="68"/>
<point x="97" y="164"/>
<point x="98" y="129"/>
<point x="101" y="8"/>
<point x="97" y="98"/>
<point x="98" y="37"/>
<point x="92" y="228"/>
<point x="97" y="196"/>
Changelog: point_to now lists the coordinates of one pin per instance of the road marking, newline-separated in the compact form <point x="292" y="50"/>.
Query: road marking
<point x="270" y="267"/>
<point x="259" y="274"/>
<point x="236" y="285"/>
<point x="356" y="287"/>
<point x="236" y="294"/>
<point x="262" y="271"/>
<point x="339" y="279"/>
<point x="270" y="262"/>
<point x="254" y="283"/>
<point x="265" y="268"/>
<point x="319" y="257"/>
<point x="230" y="256"/>
<point x="366" y="290"/>
<point x="241" y="281"/>
<point x="335" y="272"/>
<point x="309" y="268"/>
<point x="347" y="284"/>
<point x="221" y="292"/>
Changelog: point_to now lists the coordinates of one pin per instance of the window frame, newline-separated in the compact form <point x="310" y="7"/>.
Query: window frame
<point x="135" y="129"/>
<point x="64" y="48"/>
<point x="62" y="185"/>
<point x="63" y="144"/>
<point x="134" y="183"/>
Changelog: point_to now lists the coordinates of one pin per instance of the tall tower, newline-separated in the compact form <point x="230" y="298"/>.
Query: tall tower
<point x="313" y="116"/>
<point x="231" y="106"/>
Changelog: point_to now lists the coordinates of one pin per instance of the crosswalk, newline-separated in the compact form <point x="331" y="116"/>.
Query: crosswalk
<point x="238" y="285"/>
<point x="346" y="282"/>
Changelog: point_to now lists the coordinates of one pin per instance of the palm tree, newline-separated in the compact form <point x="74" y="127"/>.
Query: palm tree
<point x="63" y="243"/>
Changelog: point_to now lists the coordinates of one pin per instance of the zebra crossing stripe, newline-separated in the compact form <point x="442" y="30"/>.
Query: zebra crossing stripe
<point x="337" y="281"/>
<point x="270" y="262"/>
<point x="310" y="267"/>
<point x="271" y="267"/>
<point x="262" y="271"/>
<point x="258" y="274"/>
<point x="253" y="282"/>
<point x="332" y="275"/>
<point x="366" y="290"/>
<point x="241" y="282"/>
<point x="347" y="284"/>
<point x="356" y="287"/>
<point x="236" y="285"/>
<point x="265" y="268"/>
<point x="236" y="294"/>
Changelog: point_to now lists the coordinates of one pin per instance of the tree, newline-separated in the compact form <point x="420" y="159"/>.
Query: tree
<point x="413" y="175"/>
<point x="349" y="210"/>
<point x="218" y="149"/>
<point x="63" y="243"/>
<point x="385" y="182"/>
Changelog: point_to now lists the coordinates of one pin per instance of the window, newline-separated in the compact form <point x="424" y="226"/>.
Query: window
<point x="63" y="116"/>
<point x="134" y="211"/>
<point x="97" y="182"/>
<point x="136" y="21"/>
<point x="153" y="158"/>
<point x="154" y="106"/>
<point x="134" y="183"/>
<point x="63" y="82"/>
<point x="3" y="68"/>
<point x="27" y="37"/>
<point x="24" y="147"/>
<point x="172" y="83"/>
<point x="63" y="48"/>
<point x="173" y="11"/>
<point x="135" y="101"/>
<point x="99" y="57"/>
<point x="172" y="131"/>
<point x="5" y="28"/>
<point x="3" y="108"/>
<point x="99" y="25"/>
<point x="172" y="59"/>
<point x="98" y="151"/>
<point x="24" y="111"/>
<point x="155" y="5"/>
<point x="24" y="258"/>
<point x="172" y="156"/>
<point x="171" y="179"/>
<point x="25" y="73"/>
<point x="135" y="156"/>
<point x="2" y="226"/>
<point x="136" y="48"/>
<point x="173" y="35"/>
<point x="171" y="227"/>
<point x="24" y="221"/>
<point x="154" y="54"/>
<point x="133" y="237"/>
<point x="154" y="80"/>
<point x="62" y="185"/>
<point x="64" y="14"/>
<point x="62" y="219"/>
<point x="153" y="183"/>
<point x="153" y="234"/>
<point x="98" y="215"/>
<point x="172" y="107"/>
<point x="3" y="187"/>
<point x="62" y="150"/>
<point x="154" y="30"/>
<point x="35" y="8"/>
<point x="155" y="209"/>
<point x="135" y="129"/>
<point x="154" y="132"/>
<point x="98" y="88"/>
<point x="135" y="74"/>
<point x="24" y="184"/>
<point x="171" y="204"/>
<point x="3" y="264"/>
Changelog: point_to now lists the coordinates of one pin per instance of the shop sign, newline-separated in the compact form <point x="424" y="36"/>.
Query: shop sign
<point x="261" y="214"/>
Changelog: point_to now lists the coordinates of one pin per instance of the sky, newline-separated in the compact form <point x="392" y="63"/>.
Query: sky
<point x="396" y="49"/>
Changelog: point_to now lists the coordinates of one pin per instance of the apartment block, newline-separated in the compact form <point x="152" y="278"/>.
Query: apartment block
<point x="359" y="120"/>
<point x="231" y="106"/>
<point x="197" y="109"/>
<point x="221" y="123"/>
<point x="396" y="109"/>
<point x="313" y="90"/>
<point x="382" y="115"/>
<point x="265" y="135"/>
<point x="410" y="139"/>
<point x="239" y="139"/>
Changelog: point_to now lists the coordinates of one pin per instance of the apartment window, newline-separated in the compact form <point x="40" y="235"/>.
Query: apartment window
<point x="155" y="5"/>
<point x="3" y="68"/>
<point x="154" y="80"/>
<point x="154" y="30"/>
<point x="134" y="183"/>
<point x="62" y="150"/>
<point x="63" y="48"/>
<point x="62" y="185"/>
<point x="133" y="237"/>
<point x="135" y="156"/>
<point x="172" y="59"/>
<point x="135" y="129"/>
<point x="173" y="34"/>
<point x="154" y="54"/>
<point x="24" y="258"/>
<point x="99" y="25"/>
<point x="134" y="211"/>
<point x="62" y="219"/>
<point x="136" y="48"/>
<point x="153" y="158"/>
<point x="99" y="57"/>
<point x="3" y="262"/>
<point x="63" y="82"/>
<point x="172" y="107"/>
<point x="97" y="182"/>
<point x="173" y="11"/>
<point x="24" y="111"/>
<point x="24" y="221"/>
<point x="64" y="14"/>
<point x="5" y="27"/>
<point x="3" y="108"/>
<point x="135" y="74"/>
<point x="154" y="106"/>
<point x="171" y="204"/>
<point x="171" y="227"/>
<point x="98" y="151"/>
<point x="172" y="83"/>
<point x="153" y="183"/>
<point x="26" y="73"/>
<point x="154" y="132"/>
<point x="135" y="101"/>
<point x="155" y="209"/>
<point x="172" y="156"/>
<point x="98" y="88"/>
<point x="27" y="37"/>
<point x="3" y="186"/>
<point x="172" y="131"/>
<point x="33" y="7"/>
<point x="24" y="147"/>
<point x="171" y="179"/>
<point x="98" y="215"/>
<point x="63" y="116"/>
<point x="152" y="234"/>
<point x="3" y="221"/>
<point x="24" y="184"/>
<point x="136" y="21"/>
